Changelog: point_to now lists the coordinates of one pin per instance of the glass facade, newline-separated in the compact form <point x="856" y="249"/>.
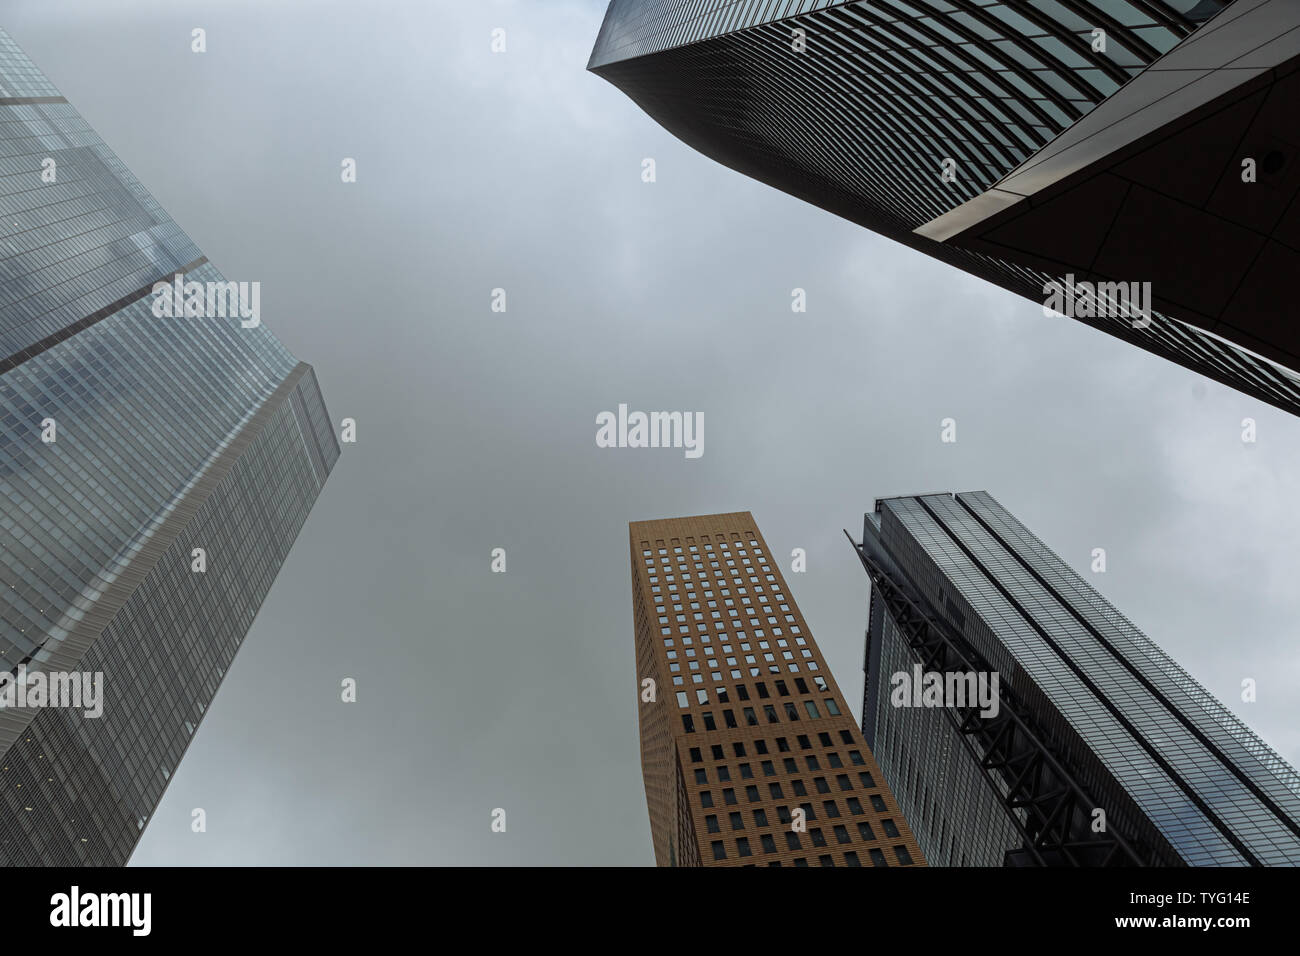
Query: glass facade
<point x="126" y="441"/>
<point x="1165" y="761"/>
<point x="884" y="95"/>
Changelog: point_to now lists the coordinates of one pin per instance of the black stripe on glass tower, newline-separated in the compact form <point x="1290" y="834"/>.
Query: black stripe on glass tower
<point x="154" y="473"/>
<point x="1131" y="164"/>
<point x="1100" y="751"/>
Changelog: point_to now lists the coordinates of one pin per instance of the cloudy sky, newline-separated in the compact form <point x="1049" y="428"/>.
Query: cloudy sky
<point x="477" y="429"/>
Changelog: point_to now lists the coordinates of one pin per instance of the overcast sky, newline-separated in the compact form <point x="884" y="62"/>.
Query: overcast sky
<point x="477" y="429"/>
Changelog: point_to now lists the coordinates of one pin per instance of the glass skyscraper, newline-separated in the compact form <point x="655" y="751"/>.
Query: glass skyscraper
<point x="908" y="118"/>
<point x="1102" y="751"/>
<point x="154" y="472"/>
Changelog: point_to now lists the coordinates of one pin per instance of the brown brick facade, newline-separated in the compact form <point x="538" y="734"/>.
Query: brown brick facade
<point x="747" y="725"/>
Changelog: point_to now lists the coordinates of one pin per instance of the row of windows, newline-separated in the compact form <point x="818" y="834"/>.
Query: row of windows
<point x="768" y="845"/>
<point x="814" y="764"/>
<point x="775" y="791"/>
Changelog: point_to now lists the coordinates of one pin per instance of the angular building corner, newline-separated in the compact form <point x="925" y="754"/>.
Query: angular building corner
<point x="128" y="443"/>
<point x="749" y="753"/>
<point x="1126" y="147"/>
<point x="1103" y="751"/>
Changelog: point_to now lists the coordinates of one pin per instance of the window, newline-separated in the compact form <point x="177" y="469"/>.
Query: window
<point x="706" y="798"/>
<point x="855" y="805"/>
<point x="769" y="844"/>
<point x="891" y="830"/>
<point x="768" y="769"/>
<point x="843" y="782"/>
<point x="723" y="774"/>
<point x="831" y="707"/>
<point x="717" y="752"/>
<point x="720" y="852"/>
<point x="831" y="809"/>
<point x="742" y="846"/>
<point x="818" y="838"/>
<point x="878" y="804"/>
<point x="782" y="745"/>
<point x="751" y="794"/>
<point x="696" y="756"/>
<point x="729" y="797"/>
<point x="825" y="860"/>
<point x="864" y="831"/>
<point x="701" y="776"/>
<point x="851" y="859"/>
<point x="792" y="841"/>
<point x="822" y="785"/>
<point x="878" y="858"/>
<point x="688" y="724"/>
<point x="760" y="818"/>
<point x="904" y="857"/>
<point x="803" y="742"/>
<point x="709" y="723"/>
<point x="711" y="821"/>
<point x="737" y="822"/>
<point x="775" y="790"/>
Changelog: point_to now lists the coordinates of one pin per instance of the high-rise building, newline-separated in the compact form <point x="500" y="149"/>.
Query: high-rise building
<point x="749" y="754"/>
<point x="154" y="472"/>
<point x="1101" y="749"/>
<point x="1140" y="154"/>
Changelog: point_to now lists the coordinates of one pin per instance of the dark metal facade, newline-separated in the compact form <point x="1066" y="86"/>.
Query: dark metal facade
<point x="883" y="94"/>
<point x="1094" y="716"/>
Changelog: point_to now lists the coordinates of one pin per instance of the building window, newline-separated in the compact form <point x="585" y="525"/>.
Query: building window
<point x="904" y="857"/>
<point x="878" y="858"/>
<point x="720" y="851"/>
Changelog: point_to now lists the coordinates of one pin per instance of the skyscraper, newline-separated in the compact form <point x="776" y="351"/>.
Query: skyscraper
<point x="1103" y="751"/>
<point x="1139" y="154"/>
<point x="154" y="472"/>
<point x="749" y="754"/>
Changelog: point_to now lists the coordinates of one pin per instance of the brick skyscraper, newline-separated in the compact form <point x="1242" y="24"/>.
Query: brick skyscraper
<point x="747" y="724"/>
